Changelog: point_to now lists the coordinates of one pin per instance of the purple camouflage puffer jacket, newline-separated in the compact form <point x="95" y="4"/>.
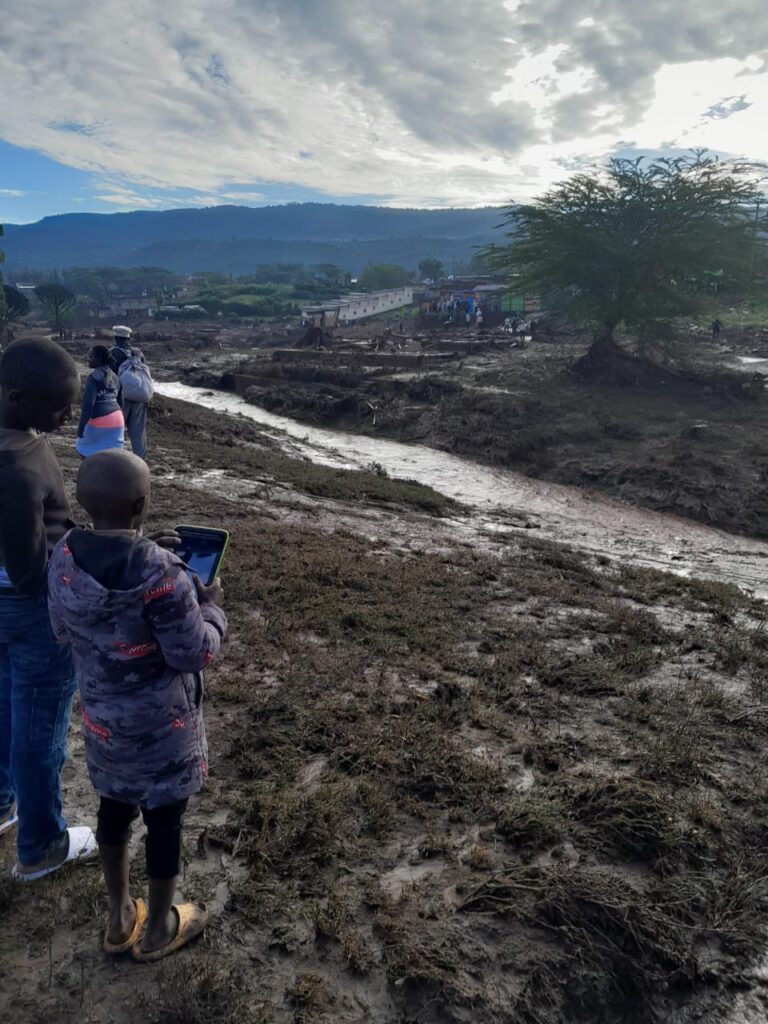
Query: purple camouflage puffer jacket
<point x="138" y="655"/>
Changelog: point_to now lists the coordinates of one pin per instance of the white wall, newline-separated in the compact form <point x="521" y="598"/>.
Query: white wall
<point x="360" y="305"/>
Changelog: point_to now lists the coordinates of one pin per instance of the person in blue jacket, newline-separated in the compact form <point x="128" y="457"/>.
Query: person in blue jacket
<point x="102" y="425"/>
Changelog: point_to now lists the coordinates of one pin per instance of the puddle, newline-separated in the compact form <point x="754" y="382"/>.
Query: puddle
<point x="504" y="501"/>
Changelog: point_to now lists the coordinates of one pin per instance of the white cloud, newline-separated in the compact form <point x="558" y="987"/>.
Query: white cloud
<point x="16" y="193"/>
<point x="117" y="196"/>
<point x="243" y="197"/>
<point x="465" y="102"/>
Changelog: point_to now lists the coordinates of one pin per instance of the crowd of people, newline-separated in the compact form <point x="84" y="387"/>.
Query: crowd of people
<point x="109" y="611"/>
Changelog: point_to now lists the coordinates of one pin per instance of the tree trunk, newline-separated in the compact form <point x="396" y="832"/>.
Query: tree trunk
<point x="602" y="355"/>
<point x="607" y="363"/>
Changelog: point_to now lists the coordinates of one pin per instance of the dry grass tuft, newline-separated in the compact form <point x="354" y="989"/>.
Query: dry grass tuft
<point x="200" y="991"/>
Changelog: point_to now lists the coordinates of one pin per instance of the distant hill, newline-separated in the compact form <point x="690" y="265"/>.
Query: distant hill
<point x="234" y="239"/>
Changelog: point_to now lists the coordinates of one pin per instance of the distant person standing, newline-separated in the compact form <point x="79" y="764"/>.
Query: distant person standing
<point x="136" y="382"/>
<point x="716" y="328"/>
<point x="479" y="317"/>
<point x="122" y="347"/>
<point x="101" y="417"/>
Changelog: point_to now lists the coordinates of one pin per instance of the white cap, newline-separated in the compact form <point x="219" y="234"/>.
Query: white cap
<point x="121" y="331"/>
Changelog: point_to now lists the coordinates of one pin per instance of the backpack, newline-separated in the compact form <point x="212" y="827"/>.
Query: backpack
<point x="136" y="380"/>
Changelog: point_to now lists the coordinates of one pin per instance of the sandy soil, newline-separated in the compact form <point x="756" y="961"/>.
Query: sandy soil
<point x="450" y="782"/>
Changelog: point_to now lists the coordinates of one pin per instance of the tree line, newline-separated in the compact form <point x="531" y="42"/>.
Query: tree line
<point x="623" y="252"/>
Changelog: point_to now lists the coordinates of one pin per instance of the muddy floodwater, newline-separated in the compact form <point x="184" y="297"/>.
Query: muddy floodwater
<point x="504" y="501"/>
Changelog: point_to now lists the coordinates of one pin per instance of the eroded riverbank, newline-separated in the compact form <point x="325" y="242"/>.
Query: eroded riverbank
<point x="505" y="501"/>
<point x="687" y="440"/>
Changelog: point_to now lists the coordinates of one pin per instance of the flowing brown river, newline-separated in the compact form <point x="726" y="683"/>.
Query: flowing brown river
<point x="505" y="501"/>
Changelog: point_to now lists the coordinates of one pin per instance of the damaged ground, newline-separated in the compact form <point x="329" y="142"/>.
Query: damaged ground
<point x="693" y="445"/>
<point x="451" y="782"/>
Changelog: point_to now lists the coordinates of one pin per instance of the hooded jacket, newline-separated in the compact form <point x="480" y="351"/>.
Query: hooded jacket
<point x="102" y="396"/>
<point x="140" y="640"/>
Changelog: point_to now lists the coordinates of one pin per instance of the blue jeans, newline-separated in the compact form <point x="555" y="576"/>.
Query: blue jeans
<point x="37" y="682"/>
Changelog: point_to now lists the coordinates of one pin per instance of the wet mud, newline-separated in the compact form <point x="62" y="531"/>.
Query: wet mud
<point x="502" y="502"/>
<point x="690" y="441"/>
<point x="461" y="771"/>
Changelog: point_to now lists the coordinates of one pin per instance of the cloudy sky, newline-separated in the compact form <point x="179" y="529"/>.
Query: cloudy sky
<point x="148" y="104"/>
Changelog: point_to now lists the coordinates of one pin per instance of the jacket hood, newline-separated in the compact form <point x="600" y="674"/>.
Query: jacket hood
<point x="82" y="595"/>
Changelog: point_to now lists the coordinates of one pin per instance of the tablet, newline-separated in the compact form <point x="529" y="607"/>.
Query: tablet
<point x="202" y="550"/>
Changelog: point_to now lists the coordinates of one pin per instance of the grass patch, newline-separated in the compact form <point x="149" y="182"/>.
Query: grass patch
<point x="624" y="943"/>
<point x="201" y="991"/>
<point x="214" y="441"/>
<point x="533" y="821"/>
<point x="333" y="921"/>
<point x="635" y="819"/>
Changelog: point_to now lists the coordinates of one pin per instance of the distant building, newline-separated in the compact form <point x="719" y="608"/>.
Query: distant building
<point x="360" y="305"/>
<point x="456" y="296"/>
<point x="126" y="306"/>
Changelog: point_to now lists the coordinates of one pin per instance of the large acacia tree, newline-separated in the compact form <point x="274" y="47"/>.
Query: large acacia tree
<point x="634" y="246"/>
<point x="58" y="302"/>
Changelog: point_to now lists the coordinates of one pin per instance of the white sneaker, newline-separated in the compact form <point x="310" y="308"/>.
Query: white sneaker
<point x="9" y="820"/>
<point x="82" y="846"/>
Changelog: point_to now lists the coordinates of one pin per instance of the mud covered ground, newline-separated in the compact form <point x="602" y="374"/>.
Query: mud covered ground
<point x="450" y="782"/>
<point x="694" y="446"/>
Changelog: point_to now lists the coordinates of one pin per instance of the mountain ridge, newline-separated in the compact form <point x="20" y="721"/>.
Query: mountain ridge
<point x="233" y="239"/>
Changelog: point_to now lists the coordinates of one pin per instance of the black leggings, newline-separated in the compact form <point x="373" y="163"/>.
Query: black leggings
<point x="163" y="832"/>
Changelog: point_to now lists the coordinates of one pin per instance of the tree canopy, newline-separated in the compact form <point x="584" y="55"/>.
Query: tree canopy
<point x="15" y="306"/>
<point x="636" y="245"/>
<point x="383" y="275"/>
<point x="431" y="270"/>
<point x="58" y="302"/>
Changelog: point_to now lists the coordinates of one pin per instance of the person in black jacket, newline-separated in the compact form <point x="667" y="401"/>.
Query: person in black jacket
<point x="39" y="384"/>
<point x="102" y="425"/>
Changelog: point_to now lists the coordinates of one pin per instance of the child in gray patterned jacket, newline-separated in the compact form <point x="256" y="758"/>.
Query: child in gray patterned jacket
<point x="141" y="632"/>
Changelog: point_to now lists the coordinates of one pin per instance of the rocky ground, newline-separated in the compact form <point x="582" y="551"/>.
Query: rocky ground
<point x="450" y="781"/>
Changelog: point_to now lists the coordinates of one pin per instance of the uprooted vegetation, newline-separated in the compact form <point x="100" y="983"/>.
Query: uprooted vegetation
<point x="446" y="787"/>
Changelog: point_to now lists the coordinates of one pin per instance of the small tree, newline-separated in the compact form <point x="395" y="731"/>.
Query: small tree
<point x="58" y="302"/>
<point x="431" y="270"/>
<point x="629" y="247"/>
<point x="15" y="306"/>
<point x="383" y="275"/>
